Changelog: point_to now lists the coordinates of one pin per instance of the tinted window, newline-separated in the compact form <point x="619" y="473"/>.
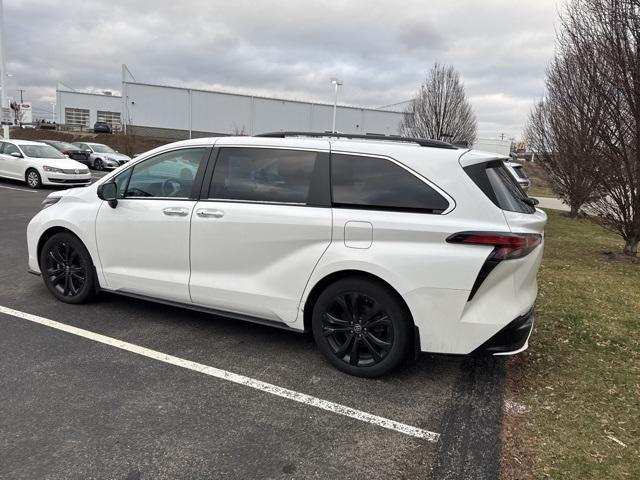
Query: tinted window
<point x="378" y="183"/>
<point x="266" y="175"/>
<point x="500" y="186"/>
<point x="169" y="174"/>
<point x="520" y="172"/>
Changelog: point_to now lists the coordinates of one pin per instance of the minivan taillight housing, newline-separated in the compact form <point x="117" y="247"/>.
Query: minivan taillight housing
<point x="506" y="246"/>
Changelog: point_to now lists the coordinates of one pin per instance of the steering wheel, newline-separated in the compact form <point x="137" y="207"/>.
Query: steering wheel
<point x="171" y="186"/>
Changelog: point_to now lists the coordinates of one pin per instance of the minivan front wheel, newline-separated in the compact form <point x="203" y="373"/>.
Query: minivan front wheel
<point x="67" y="268"/>
<point x="361" y="327"/>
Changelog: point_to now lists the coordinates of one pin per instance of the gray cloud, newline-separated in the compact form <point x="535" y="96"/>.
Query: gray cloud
<point x="382" y="50"/>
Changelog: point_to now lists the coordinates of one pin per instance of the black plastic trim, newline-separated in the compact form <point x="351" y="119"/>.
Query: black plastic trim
<point x="211" y="311"/>
<point x="510" y="338"/>
<point x="423" y="142"/>
<point x="33" y="272"/>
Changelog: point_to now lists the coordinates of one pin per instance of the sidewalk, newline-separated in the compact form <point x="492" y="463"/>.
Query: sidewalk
<point x="552" y="204"/>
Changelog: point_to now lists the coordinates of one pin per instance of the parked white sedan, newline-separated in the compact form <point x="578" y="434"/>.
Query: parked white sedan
<point x="40" y="164"/>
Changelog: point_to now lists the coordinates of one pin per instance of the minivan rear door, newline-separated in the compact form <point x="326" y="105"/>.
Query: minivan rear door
<point x="259" y="229"/>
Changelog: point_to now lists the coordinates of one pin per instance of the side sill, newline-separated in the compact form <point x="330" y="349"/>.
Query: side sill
<point x="211" y="311"/>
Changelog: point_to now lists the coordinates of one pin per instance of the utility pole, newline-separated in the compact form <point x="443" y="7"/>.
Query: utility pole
<point x="21" y="91"/>
<point x="3" y="76"/>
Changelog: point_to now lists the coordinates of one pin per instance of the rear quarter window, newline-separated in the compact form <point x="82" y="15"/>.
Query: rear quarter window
<point x="377" y="183"/>
<point x="499" y="186"/>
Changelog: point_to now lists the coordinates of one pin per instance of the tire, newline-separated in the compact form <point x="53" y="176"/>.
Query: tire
<point x="370" y="343"/>
<point x="67" y="269"/>
<point x="33" y="179"/>
<point x="98" y="164"/>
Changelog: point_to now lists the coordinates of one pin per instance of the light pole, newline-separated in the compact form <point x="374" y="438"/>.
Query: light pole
<point x="336" y="83"/>
<point x="3" y="77"/>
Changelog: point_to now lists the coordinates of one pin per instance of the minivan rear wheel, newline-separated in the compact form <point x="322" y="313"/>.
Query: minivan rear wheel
<point x="67" y="268"/>
<point x="361" y="327"/>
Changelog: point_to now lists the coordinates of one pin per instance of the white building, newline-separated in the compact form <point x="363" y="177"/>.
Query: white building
<point x="177" y="112"/>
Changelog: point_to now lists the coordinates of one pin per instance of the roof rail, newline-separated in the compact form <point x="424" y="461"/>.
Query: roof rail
<point x="423" y="142"/>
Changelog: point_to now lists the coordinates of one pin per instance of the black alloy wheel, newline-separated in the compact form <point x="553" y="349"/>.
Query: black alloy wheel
<point x="98" y="164"/>
<point x="67" y="268"/>
<point x="361" y="327"/>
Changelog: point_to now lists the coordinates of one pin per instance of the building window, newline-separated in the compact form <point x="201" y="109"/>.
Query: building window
<point x="76" y="116"/>
<point x="112" y="118"/>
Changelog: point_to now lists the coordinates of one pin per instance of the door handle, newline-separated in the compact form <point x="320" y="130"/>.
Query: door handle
<point x="176" y="211"/>
<point x="206" y="213"/>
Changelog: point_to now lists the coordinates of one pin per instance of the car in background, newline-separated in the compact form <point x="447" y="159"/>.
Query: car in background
<point x="101" y="127"/>
<point x="38" y="164"/>
<point x="70" y="150"/>
<point x="102" y="157"/>
<point x="519" y="174"/>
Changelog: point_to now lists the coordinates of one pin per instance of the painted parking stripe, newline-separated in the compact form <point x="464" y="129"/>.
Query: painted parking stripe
<point x="20" y="189"/>
<point x="231" y="377"/>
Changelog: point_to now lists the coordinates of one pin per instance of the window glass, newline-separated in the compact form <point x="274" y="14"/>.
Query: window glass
<point x="169" y="174"/>
<point x="520" y="172"/>
<point x="100" y="148"/>
<point x="9" y="148"/>
<point x="41" y="151"/>
<point x="121" y="181"/>
<point x="378" y="183"/>
<point x="509" y="195"/>
<point x="76" y="116"/>
<point x="264" y="175"/>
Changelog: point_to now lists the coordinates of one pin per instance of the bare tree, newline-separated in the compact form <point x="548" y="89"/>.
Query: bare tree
<point x="562" y="131"/>
<point x="441" y="110"/>
<point x="605" y="36"/>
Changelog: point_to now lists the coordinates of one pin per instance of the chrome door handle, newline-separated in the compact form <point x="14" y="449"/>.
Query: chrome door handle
<point x="176" y="211"/>
<point x="205" y="213"/>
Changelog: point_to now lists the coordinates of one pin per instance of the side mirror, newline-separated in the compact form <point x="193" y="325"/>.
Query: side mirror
<point x="16" y="154"/>
<point x="109" y="192"/>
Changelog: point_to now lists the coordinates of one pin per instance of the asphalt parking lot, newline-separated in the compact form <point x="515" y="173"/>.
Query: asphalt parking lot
<point x="79" y="406"/>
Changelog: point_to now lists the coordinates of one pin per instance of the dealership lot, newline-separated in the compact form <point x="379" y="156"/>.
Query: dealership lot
<point x="77" y="405"/>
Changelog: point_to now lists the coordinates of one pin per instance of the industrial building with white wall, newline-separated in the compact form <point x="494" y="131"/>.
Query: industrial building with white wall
<point x="177" y="112"/>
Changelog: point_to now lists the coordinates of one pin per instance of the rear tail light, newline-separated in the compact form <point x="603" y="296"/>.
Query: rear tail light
<point x="507" y="246"/>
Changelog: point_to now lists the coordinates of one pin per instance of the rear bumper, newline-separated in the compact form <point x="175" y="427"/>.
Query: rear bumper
<point x="511" y="339"/>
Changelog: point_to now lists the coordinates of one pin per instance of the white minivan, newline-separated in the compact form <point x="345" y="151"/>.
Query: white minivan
<point x="380" y="246"/>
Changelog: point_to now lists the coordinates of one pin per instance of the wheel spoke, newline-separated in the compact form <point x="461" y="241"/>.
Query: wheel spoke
<point x="354" y="354"/>
<point x="384" y="320"/>
<point x="373" y="312"/>
<point x="56" y="257"/>
<point x="334" y="320"/>
<point x="53" y="271"/>
<point x="343" y="304"/>
<point x="376" y="355"/>
<point x="328" y="331"/>
<point x="378" y="342"/>
<point x="78" y="277"/>
<point x="353" y="304"/>
<point x="67" y="281"/>
<point x="345" y="346"/>
<point x="56" y="279"/>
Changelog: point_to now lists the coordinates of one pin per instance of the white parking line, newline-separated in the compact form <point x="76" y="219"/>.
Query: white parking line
<point x="230" y="376"/>
<point x="20" y="189"/>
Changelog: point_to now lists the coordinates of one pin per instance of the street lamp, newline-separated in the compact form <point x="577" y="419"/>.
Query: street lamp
<point x="337" y="83"/>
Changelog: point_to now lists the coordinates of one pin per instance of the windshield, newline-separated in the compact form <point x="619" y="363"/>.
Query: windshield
<point x="97" y="147"/>
<point x="41" y="151"/>
<point x="66" y="146"/>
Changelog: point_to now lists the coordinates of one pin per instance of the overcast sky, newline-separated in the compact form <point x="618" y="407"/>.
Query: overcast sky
<point x="382" y="50"/>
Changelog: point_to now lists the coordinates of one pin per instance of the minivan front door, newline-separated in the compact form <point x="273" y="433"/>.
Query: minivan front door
<point x="259" y="231"/>
<point x="143" y="243"/>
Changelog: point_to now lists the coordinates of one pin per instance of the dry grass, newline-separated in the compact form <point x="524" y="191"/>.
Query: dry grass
<point x="580" y="379"/>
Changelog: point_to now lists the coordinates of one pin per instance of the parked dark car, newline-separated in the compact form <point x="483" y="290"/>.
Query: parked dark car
<point x="70" y="150"/>
<point x="101" y="127"/>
